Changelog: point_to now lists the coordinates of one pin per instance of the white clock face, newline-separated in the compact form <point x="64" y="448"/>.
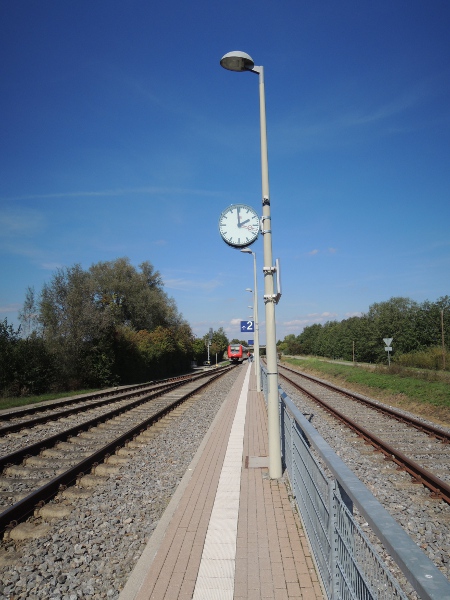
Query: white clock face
<point x="239" y="225"/>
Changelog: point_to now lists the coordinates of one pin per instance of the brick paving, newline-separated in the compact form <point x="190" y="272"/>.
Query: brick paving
<point x="250" y="546"/>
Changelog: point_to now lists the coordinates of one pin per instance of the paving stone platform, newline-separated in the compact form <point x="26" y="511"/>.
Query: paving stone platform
<point x="229" y="532"/>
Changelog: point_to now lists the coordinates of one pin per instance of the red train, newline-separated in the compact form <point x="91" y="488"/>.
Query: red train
<point x="237" y="353"/>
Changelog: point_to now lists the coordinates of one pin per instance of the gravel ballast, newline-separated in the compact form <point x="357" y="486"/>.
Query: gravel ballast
<point x="91" y="553"/>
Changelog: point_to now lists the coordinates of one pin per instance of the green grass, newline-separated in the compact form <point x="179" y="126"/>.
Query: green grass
<point x="26" y="400"/>
<point x="415" y="386"/>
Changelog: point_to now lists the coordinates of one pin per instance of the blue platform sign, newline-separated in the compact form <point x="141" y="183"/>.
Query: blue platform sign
<point x="247" y="326"/>
<point x="251" y="343"/>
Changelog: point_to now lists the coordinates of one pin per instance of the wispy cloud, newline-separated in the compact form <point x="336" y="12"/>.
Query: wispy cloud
<point x="9" y="308"/>
<point x="392" y="107"/>
<point x="327" y="125"/>
<point x="297" y="325"/>
<point x="150" y="190"/>
<point x="317" y="251"/>
<point x="51" y="266"/>
<point x="323" y="315"/>
<point x="20" y="222"/>
<point x="21" y="231"/>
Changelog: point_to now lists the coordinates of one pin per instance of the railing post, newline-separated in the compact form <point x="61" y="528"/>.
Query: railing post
<point x="332" y="533"/>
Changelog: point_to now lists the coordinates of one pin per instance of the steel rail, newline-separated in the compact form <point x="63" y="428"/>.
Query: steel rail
<point x="110" y="393"/>
<point x="12" y="427"/>
<point x="442" y="435"/>
<point x="21" y="510"/>
<point x="439" y="488"/>
<point x="33" y="449"/>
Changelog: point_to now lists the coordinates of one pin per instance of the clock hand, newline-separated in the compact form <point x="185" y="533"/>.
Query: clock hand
<point x="243" y="222"/>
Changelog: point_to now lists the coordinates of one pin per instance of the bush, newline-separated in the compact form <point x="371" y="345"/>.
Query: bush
<point x="431" y="358"/>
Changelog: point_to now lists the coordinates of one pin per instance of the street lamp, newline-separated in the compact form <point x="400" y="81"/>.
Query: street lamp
<point x="255" y="304"/>
<point x="240" y="61"/>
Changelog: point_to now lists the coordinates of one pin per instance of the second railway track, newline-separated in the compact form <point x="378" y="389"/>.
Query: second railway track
<point x="412" y="444"/>
<point x="424" y="514"/>
<point x="38" y="469"/>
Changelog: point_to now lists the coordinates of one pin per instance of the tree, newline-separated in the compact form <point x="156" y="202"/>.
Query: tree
<point x="219" y="343"/>
<point x="132" y="298"/>
<point x="309" y="339"/>
<point x="395" y="318"/>
<point x="88" y="319"/>
<point x="236" y="341"/>
<point x="413" y="326"/>
<point x="26" y="367"/>
<point x="290" y="345"/>
<point x="34" y="367"/>
<point x="199" y="351"/>
<point x="9" y="338"/>
<point x="71" y="323"/>
<point x="28" y="316"/>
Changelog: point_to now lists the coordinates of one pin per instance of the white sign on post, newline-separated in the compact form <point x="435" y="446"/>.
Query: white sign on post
<point x="388" y="342"/>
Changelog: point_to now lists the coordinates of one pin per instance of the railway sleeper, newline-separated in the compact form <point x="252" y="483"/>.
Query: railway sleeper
<point x="76" y="493"/>
<point x="118" y="460"/>
<point x="136" y="445"/>
<point x="20" y="434"/>
<point x="61" y="453"/>
<point x="54" y="511"/>
<point x="145" y="436"/>
<point x="47" y="461"/>
<point x="32" y="472"/>
<point x="14" y="496"/>
<point x="5" y="482"/>
<point x="72" y="445"/>
<point x="106" y="469"/>
<point x="91" y="481"/>
<point x="125" y="451"/>
<point x="110" y="426"/>
<point x="28" y="531"/>
<point x="88" y="435"/>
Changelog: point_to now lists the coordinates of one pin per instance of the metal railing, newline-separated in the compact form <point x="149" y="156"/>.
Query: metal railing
<point x="350" y="567"/>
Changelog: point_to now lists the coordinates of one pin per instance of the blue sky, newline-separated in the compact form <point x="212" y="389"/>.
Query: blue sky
<point x="121" y="135"/>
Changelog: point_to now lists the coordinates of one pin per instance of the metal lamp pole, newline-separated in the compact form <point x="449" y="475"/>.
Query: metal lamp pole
<point x="240" y="61"/>
<point x="255" y="304"/>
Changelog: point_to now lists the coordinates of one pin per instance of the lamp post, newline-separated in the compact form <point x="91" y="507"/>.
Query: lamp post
<point x="240" y="61"/>
<point x="255" y="309"/>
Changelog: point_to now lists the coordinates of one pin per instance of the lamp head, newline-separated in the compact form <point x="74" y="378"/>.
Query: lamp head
<point x="247" y="251"/>
<point x="237" y="61"/>
<point x="248" y="290"/>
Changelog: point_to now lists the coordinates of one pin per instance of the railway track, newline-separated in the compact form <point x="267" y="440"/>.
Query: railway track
<point x="417" y="447"/>
<point x="44" y="463"/>
<point x="422" y="511"/>
<point x="20" y="418"/>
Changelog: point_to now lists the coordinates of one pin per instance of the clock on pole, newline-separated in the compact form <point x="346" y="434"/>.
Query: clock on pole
<point x="239" y="225"/>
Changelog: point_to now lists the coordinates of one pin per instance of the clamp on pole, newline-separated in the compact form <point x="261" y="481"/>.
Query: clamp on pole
<point x="269" y="270"/>
<point x="263" y="231"/>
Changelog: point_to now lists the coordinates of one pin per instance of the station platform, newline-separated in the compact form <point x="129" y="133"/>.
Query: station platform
<point x="230" y="531"/>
